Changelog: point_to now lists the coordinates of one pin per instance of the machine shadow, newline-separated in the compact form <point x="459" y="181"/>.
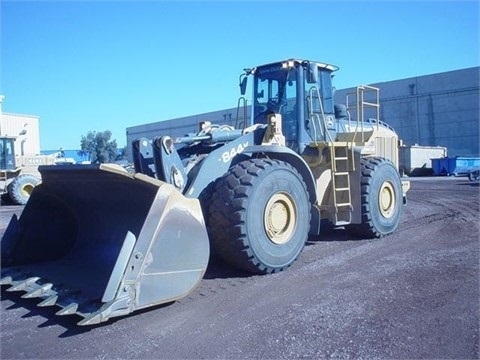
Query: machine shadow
<point x="331" y="235"/>
<point x="69" y="323"/>
<point x="216" y="269"/>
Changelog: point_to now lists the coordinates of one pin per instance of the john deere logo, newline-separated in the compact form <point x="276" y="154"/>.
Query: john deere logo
<point x="330" y="121"/>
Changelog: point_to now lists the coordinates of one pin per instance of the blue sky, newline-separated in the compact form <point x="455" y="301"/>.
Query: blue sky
<point x="93" y="66"/>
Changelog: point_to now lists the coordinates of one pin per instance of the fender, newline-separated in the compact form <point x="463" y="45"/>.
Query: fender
<point x="286" y="154"/>
<point x="218" y="162"/>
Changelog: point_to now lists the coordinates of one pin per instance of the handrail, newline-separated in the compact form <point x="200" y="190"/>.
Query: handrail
<point x="360" y="107"/>
<point x="240" y="100"/>
<point x="324" y="132"/>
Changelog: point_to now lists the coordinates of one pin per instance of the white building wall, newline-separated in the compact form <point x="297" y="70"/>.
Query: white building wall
<point x="14" y="124"/>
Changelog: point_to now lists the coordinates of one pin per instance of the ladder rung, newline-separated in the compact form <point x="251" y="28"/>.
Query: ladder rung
<point x="341" y="158"/>
<point x="342" y="222"/>
<point x="342" y="189"/>
<point x="341" y="173"/>
<point x="344" y="204"/>
<point x="370" y="104"/>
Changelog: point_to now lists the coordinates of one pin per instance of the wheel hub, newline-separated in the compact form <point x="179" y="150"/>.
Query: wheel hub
<point x="280" y="218"/>
<point x="27" y="190"/>
<point x="386" y="200"/>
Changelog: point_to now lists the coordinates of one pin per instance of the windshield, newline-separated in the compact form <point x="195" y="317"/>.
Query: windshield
<point x="6" y="154"/>
<point x="272" y="89"/>
<point x="275" y="90"/>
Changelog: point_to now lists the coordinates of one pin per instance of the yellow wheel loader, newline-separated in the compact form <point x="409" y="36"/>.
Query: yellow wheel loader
<point x="19" y="173"/>
<point x="100" y="242"/>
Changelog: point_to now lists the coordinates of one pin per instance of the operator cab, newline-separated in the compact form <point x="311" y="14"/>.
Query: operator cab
<point x="7" y="156"/>
<point x="301" y="91"/>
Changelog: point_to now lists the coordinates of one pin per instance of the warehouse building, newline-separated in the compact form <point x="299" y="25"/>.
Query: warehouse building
<point x="24" y="128"/>
<point x="432" y="110"/>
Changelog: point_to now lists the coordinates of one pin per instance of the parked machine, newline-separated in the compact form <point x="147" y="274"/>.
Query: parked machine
<point x="474" y="175"/>
<point x="99" y="242"/>
<point x="19" y="173"/>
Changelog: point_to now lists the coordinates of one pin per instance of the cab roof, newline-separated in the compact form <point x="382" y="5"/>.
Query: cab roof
<point x="291" y="62"/>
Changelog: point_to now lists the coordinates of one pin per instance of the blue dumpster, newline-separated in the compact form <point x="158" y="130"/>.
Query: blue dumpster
<point x="457" y="166"/>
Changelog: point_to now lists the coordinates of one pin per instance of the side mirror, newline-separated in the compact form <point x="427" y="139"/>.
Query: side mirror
<point x="340" y="111"/>
<point x="243" y="84"/>
<point x="312" y="73"/>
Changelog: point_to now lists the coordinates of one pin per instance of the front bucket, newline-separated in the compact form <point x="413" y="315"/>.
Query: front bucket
<point x="99" y="242"/>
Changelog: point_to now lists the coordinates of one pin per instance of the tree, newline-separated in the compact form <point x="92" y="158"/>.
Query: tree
<point x="99" y="146"/>
<point x="122" y="153"/>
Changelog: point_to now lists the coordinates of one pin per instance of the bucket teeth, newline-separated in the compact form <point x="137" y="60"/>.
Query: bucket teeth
<point x="91" y="320"/>
<point x="22" y="285"/>
<point x="68" y="310"/>
<point x="38" y="292"/>
<point x="51" y="301"/>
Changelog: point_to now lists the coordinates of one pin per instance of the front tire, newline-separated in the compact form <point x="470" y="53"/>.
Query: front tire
<point x="259" y="216"/>
<point x="381" y="199"/>
<point x="21" y="188"/>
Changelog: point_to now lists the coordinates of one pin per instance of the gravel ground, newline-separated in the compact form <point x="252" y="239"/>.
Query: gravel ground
<point x="410" y="295"/>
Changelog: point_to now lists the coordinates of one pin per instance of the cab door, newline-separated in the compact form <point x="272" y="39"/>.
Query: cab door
<point x="7" y="157"/>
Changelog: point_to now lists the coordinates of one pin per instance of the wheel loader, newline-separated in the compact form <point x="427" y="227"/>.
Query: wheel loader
<point x="19" y="173"/>
<point x="99" y="242"/>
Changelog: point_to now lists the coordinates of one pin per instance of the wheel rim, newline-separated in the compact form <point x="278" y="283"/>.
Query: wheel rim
<point x="280" y="218"/>
<point x="386" y="200"/>
<point x="27" y="190"/>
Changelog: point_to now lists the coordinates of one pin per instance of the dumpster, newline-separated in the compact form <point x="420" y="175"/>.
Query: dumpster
<point x="415" y="160"/>
<point x="456" y="166"/>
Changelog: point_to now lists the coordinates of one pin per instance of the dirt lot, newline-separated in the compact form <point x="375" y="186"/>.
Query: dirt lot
<point x="414" y="294"/>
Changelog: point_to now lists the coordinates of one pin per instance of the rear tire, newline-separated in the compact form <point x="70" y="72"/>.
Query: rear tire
<point x="259" y="216"/>
<point x="21" y="188"/>
<point x="381" y="199"/>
